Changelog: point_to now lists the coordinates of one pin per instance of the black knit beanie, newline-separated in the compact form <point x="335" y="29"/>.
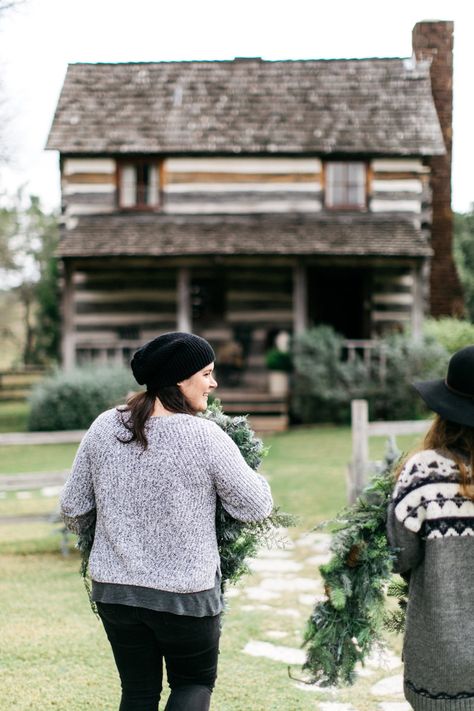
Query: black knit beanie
<point x="170" y="358"/>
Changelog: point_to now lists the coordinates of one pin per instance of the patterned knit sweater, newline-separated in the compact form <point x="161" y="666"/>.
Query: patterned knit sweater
<point x="432" y="525"/>
<point x="155" y="508"/>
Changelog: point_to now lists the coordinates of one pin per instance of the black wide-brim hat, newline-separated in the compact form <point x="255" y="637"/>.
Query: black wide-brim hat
<point x="453" y="397"/>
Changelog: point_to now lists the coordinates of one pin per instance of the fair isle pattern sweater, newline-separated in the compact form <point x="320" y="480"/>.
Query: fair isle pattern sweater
<point x="432" y="526"/>
<point x="155" y="508"/>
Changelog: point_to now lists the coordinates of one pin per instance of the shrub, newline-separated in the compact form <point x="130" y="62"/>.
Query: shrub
<point x="324" y="383"/>
<point x="452" y="333"/>
<point x="69" y="401"/>
<point x="278" y="360"/>
<point x="407" y="361"/>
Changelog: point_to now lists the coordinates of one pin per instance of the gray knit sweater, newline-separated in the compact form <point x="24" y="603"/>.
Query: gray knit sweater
<point x="156" y="507"/>
<point x="432" y="524"/>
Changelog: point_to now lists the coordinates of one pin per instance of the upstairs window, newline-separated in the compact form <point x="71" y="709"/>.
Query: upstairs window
<point x="139" y="185"/>
<point x="346" y="185"/>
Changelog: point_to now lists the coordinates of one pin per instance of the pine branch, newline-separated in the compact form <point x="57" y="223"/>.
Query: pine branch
<point x="345" y="627"/>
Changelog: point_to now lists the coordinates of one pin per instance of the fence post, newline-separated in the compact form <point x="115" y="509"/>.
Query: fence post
<point x="360" y="448"/>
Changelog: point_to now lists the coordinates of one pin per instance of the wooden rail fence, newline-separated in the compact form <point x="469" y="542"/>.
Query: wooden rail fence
<point x="362" y="429"/>
<point x="17" y="384"/>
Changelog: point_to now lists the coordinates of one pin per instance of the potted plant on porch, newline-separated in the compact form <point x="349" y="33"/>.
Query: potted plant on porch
<point x="279" y="365"/>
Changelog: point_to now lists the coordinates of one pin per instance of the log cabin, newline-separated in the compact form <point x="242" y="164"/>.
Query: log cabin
<point x="242" y="198"/>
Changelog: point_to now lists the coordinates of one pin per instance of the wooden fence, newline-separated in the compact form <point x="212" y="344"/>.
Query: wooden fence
<point x="362" y="429"/>
<point x="17" y="384"/>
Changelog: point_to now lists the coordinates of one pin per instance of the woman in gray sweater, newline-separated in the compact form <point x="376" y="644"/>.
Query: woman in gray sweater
<point x="150" y="473"/>
<point x="431" y="523"/>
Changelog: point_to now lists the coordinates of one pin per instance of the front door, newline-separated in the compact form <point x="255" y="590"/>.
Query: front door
<point x="339" y="297"/>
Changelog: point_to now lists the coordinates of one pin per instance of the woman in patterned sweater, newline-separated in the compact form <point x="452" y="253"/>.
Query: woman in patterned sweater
<point x="431" y="524"/>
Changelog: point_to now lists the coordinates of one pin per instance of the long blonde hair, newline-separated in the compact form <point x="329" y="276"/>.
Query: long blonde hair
<point x="456" y="442"/>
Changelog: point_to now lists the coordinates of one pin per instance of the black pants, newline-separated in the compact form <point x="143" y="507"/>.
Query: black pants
<point x="141" y="638"/>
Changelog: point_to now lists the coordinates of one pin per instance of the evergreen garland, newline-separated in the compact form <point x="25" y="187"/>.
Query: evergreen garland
<point x="345" y="627"/>
<point x="236" y="540"/>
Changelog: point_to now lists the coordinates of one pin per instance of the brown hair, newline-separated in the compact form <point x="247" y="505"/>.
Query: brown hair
<point x="457" y="442"/>
<point x="140" y="406"/>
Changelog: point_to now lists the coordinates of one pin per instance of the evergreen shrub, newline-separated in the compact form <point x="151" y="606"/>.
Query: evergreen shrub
<point x="325" y="382"/>
<point x="452" y="333"/>
<point x="71" y="401"/>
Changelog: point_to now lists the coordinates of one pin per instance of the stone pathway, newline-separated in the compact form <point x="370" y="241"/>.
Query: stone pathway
<point x="285" y="585"/>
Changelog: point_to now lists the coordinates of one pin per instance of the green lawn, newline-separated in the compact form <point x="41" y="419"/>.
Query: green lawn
<point x="54" y="652"/>
<point x="13" y="416"/>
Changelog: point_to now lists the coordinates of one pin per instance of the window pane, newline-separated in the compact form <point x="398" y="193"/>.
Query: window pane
<point x="345" y="184"/>
<point x="152" y="194"/>
<point x="128" y="192"/>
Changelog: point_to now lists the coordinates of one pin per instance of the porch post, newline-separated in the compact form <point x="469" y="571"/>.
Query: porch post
<point x="68" y="351"/>
<point x="184" y="315"/>
<point x="300" y="307"/>
<point x="418" y="303"/>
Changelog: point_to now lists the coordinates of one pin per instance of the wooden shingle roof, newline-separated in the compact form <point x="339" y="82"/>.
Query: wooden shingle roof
<point x="165" y="235"/>
<point x="248" y="107"/>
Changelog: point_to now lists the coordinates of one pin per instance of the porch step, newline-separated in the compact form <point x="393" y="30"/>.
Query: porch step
<point x="267" y="413"/>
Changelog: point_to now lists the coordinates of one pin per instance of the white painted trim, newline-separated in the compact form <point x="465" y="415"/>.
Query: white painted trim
<point x="377" y="205"/>
<point x="395" y="186"/>
<point x="244" y="165"/>
<point x="88" y="165"/>
<point x="279" y="206"/>
<point x="75" y="209"/>
<point x="242" y="187"/>
<point x="388" y="165"/>
<point x="123" y="319"/>
<point x="391" y="316"/>
<point x="113" y="296"/>
<point x="393" y="299"/>
<point x="74" y="188"/>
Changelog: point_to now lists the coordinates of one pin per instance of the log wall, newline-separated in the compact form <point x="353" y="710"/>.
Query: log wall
<point x="247" y="185"/>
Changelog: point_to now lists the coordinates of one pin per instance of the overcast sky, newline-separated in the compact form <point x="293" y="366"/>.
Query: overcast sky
<point x="39" y="39"/>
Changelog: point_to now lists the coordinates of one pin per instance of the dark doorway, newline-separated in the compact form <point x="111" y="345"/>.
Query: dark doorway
<point x="339" y="298"/>
<point x="208" y="290"/>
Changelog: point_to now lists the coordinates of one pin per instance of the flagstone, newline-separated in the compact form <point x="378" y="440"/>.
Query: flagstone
<point x="51" y="490"/>
<point x="318" y="560"/>
<point x="318" y="541"/>
<point x="390" y="686"/>
<point x="291" y="584"/>
<point x="307" y="599"/>
<point x="394" y="706"/>
<point x="253" y="608"/>
<point x="383" y="659"/>
<point x="287" y="612"/>
<point x="335" y="706"/>
<point x="232" y="592"/>
<point x="278" y="653"/>
<point x="274" y="565"/>
<point x="24" y="494"/>
<point x="260" y="593"/>
<point x="274" y="553"/>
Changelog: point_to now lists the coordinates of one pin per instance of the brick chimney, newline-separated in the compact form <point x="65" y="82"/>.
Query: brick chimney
<point x="434" y="40"/>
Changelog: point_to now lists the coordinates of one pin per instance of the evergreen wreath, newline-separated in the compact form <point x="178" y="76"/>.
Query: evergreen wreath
<point x="349" y="623"/>
<point x="237" y="541"/>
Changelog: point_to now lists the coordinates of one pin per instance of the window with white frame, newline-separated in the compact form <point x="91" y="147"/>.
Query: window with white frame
<point x="139" y="184"/>
<point x="346" y="184"/>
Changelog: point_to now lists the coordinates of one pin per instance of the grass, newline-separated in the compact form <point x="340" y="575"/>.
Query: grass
<point x="55" y="654"/>
<point x="14" y="416"/>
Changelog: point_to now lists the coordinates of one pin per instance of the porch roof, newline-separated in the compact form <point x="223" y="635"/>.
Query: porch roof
<point x="165" y="235"/>
<point x="248" y="107"/>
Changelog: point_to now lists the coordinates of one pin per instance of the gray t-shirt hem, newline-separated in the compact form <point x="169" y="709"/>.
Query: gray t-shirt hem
<point x="205" y="603"/>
